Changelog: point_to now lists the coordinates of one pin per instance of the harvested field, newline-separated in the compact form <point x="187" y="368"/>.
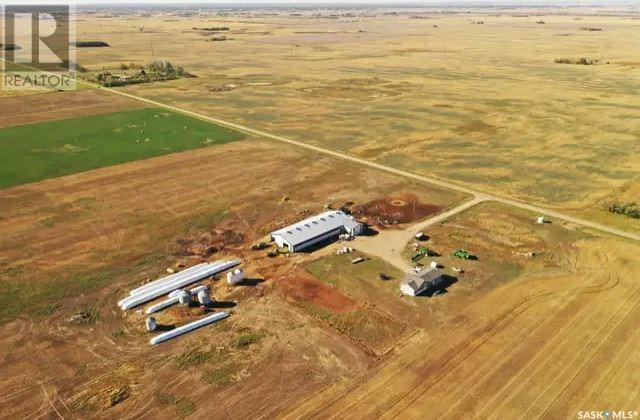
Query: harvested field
<point x="543" y="323"/>
<point x="36" y="108"/>
<point x="450" y="101"/>
<point x="628" y="193"/>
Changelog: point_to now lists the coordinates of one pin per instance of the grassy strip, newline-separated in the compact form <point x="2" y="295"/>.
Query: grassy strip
<point x="43" y="298"/>
<point x="34" y="152"/>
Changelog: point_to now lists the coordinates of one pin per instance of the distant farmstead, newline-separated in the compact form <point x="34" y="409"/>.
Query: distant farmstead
<point x="326" y="226"/>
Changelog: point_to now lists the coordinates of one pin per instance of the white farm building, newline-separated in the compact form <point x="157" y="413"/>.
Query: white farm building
<point x="415" y="284"/>
<point x="316" y="229"/>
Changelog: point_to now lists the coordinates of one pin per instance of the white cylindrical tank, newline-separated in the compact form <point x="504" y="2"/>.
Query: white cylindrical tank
<point x="188" y="327"/>
<point x="184" y="298"/>
<point x="235" y="276"/>
<point x="143" y="297"/>
<point x="204" y="298"/>
<point x="434" y="264"/>
<point x="151" y="324"/>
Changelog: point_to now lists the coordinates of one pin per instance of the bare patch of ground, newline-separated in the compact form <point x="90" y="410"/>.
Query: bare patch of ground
<point x="29" y="109"/>
<point x="304" y="288"/>
<point x="394" y="209"/>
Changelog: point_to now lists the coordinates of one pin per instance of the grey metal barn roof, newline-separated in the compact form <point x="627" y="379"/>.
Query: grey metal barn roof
<point x="424" y="278"/>
<point x="315" y="226"/>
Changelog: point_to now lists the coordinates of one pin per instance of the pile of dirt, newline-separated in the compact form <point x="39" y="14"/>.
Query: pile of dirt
<point x="89" y="315"/>
<point x="212" y="242"/>
<point x="304" y="288"/>
<point x="394" y="209"/>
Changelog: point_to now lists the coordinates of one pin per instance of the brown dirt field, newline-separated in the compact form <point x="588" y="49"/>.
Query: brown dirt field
<point x="293" y="358"/>
<point x="29" y="109"/>
<point x="304" y="288"/>
<point x="394" y="209"/>
<point x="125" y="224"/>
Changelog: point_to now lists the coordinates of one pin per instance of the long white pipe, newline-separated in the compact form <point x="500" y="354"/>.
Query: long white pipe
<point x="198" y="274"/>
<point x="158" y="282"/>
<point x="188" y="327"/>
<point x="136" y="300"/>
<point x="172" y="301"/>
<point x="180" y="276"/>
<point x="171" y="279"/>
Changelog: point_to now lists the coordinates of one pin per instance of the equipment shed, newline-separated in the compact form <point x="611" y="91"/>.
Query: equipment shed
<point x="316" y="229"/>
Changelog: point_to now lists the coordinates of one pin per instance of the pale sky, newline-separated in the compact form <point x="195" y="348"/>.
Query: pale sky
<point x="332" y="2"/>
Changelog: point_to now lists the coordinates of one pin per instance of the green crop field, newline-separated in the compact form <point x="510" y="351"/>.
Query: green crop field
<point x="34" y="152"/>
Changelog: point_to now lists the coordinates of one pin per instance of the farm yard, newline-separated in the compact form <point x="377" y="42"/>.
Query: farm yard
<point x="516" y="333"/>
<point x="72" y="245"/>
<point x="100" y="194"/>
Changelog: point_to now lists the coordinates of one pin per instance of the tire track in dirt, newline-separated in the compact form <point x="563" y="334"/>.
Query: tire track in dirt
<point x="466" y="348"/>
<point x="505" y="318"/>
<point x="507" y="355"/>
<point x="600" y="338"/>
<point x="617" y="366"/>
<point x="410" y="364"/>
<point x="421" y="389"/>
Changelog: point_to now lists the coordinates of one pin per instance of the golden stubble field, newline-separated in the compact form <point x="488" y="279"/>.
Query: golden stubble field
<point x="483" y="105"/>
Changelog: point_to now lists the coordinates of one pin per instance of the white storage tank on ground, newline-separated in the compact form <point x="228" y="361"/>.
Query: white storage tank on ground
<point x="203" y="297"/>
<point x="184" y="298"/>
<point x="151" y="324"/>
<point x="234" y="277"/>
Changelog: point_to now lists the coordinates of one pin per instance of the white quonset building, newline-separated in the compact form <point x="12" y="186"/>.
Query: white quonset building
<point x="316" y="229"/>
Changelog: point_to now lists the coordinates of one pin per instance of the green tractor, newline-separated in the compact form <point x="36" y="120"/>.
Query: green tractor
<point x="463" y="255"/>
<point x="423" y="252"/>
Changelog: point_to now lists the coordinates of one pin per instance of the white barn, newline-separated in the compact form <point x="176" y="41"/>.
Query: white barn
<point x="316" y="229"/>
